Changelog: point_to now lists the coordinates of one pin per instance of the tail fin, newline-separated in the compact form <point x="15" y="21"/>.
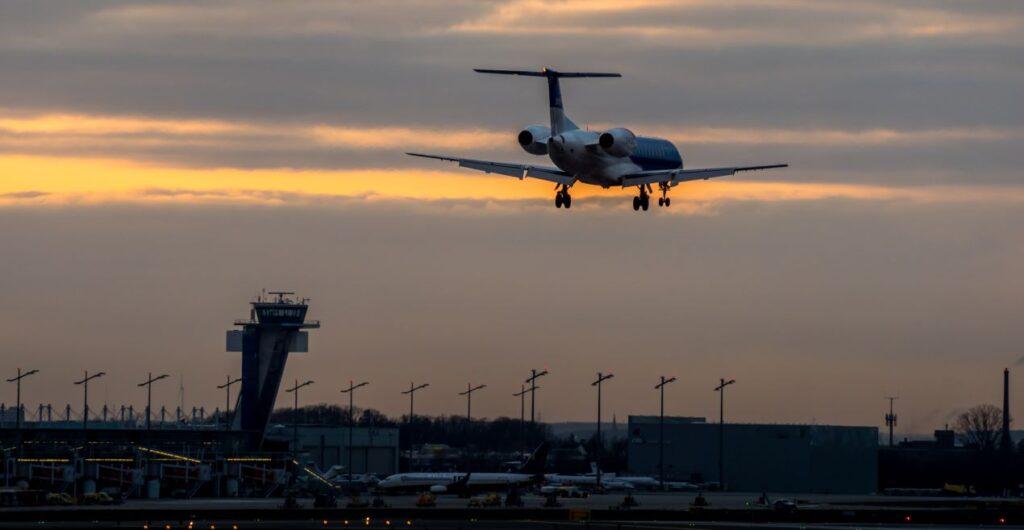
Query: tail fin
<point x="559" y="121"/>
<point x="537" y="461"/>
<point x="460" y="485"/>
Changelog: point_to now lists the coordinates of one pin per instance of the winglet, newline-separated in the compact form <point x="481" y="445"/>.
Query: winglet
<point x="436" y="157"/>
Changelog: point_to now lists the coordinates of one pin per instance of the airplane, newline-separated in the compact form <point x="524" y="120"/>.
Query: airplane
<point x="609" y="481"/>
<point x="616" y="157"/>
<point x="640" y="483"/>
<point x="530" y="473"/>
<point x="587" y="482"/>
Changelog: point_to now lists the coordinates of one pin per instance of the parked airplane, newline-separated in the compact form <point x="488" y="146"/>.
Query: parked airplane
<point x="587" y="482"/>
<point x="531" y="472"/>
<point x="616" y="157"/>
<point x="640" y="483"/>
<point x="609" y="481"/>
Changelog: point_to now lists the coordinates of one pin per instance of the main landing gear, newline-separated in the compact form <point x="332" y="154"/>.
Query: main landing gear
<point x="664" y="200"/>
<point x="562" y="198"/>
<point x="643" y="200"/>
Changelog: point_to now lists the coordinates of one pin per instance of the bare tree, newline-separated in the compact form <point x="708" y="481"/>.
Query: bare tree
<point x="979" y="426"/>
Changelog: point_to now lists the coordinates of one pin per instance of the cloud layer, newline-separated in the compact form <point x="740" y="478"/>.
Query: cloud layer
<point x="161" y="161"/>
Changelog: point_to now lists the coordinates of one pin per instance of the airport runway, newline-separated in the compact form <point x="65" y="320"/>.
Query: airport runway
<point x="656" y="511"/>
<point x="646" y="500"/>
<point x="197" y="524"/>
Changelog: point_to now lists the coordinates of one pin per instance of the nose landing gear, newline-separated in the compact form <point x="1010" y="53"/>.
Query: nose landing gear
<point x="562" y="198"/>
<point x="643" y="200"/>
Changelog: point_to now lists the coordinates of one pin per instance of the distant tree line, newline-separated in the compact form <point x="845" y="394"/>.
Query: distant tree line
<point x="982" y="463"/>
<point x="980" y="427"/>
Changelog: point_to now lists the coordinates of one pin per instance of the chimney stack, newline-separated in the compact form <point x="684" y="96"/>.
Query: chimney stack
<point x="1006" y="442"/>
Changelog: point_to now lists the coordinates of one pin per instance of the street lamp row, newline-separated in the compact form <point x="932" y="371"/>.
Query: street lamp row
<point x="351" y="420"/>
<point x="85" y="397"/>
<point x="148" y="383"/>
<point x="17" y="379"/>
<point x="470" y="389"/>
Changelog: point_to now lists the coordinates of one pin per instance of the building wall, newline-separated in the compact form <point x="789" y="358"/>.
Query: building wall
<point x="374" y="450"/>
<point x="774" y="458"/>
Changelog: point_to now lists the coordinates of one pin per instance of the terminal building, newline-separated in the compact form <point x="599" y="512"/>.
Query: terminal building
<point x="197" y="455"/>
<point x="758" y="457"/>
<point x="374" y="449"/>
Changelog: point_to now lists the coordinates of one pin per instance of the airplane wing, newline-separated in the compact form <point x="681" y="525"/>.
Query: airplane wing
<point x="675" y="176"/>
<point x="519" y="171"/>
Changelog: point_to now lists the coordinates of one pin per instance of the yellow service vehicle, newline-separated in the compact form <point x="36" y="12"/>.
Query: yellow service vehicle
<point x="426" y="500"/>
<point x="60" y="499"/>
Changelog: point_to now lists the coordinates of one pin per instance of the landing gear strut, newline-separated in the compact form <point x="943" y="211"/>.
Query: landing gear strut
<point x="643" y="200"/>
<point x="562" y="197"/>
<point x="664" y="200"/>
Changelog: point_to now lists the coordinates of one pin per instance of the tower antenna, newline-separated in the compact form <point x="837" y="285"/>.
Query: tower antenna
<point x="890" y="418"/>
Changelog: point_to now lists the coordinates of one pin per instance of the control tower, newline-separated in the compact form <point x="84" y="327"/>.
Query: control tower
<point x="274" y="329"/>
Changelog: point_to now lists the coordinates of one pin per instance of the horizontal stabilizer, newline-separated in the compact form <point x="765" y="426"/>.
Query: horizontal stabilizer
<point x="547" y="72"/>
<point x="559" y="121"/>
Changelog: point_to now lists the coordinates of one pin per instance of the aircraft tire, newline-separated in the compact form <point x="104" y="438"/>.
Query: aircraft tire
<point x="661" y="201"/>
<point x="567" y="200"/>
<point x="645" y="203"/>
<point x="636" y="203"/>
<point x="668" y="202"/>
<point x="558" y="200"/>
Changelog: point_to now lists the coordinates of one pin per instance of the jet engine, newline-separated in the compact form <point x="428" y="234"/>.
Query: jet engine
<point x="618" y="141"/>
<point x="534" y="139"/>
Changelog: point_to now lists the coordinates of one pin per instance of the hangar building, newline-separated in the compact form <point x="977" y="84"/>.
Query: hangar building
<point x="759" y="457"/>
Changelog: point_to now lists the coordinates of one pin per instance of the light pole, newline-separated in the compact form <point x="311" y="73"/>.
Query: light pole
<point x="412" y="393"/>
<point x="295" y="413"/>
<point x="522" y="415"/>
<point x="469" y="401"/>
<point x="469" y="419"/>
<point x="600" y="379"/>
<point x="149" y="394"/>
<point x="532" y="380"/>
<point x="227" y="400"/>
<point x="85" y="398"/>
<point x="17" y="379"/>
<point x="351" y="422"/>
<point x="721" y="430"/>
<point x="660" y="387"/>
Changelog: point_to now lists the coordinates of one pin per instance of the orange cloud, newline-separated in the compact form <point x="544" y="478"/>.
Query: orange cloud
<point x="94" y="130"/>
<point x="410" y="138"/>
<point x="84" y="124"/>
<point x="37" y="180"/>
<point x="860" y="21"/>
<point x="108" y="134"/>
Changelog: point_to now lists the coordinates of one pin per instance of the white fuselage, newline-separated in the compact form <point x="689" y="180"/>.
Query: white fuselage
<point x="426" y="481"/>
<point x="575" y="152"/>
<point x="587" y="481"/>
<point x="608" y="481"/>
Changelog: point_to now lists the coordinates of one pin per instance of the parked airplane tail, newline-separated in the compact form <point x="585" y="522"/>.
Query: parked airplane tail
<point x="537" y="461"/>
<point x="559" y="121"/>
<point x="459" y="486"/>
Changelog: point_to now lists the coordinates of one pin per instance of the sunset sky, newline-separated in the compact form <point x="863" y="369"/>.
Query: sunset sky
<point x="161" y="162"/>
